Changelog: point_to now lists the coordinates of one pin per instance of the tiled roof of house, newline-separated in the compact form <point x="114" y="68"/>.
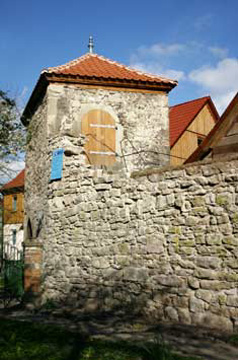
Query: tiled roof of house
<point x="181" y="116"/>
<point x="95" y="70"/>
<point x="96" y="66"/>
<point x="17" y="182"/>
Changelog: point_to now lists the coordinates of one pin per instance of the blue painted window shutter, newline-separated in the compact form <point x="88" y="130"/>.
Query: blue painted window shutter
<point x="57" y="164"/>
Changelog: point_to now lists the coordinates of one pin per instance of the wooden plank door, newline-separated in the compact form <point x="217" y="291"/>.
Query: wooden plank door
<point x="99" y="128"/>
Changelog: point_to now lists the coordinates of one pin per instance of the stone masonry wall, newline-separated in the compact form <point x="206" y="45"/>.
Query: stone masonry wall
<point x="37" y="172"/>
<point x="162" y="245"/>
<point x="142" y="135"/>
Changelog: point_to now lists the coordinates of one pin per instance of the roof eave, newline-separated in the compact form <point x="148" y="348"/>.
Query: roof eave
<point x="115" y="82"/>
<point x="46" y="78"/>
<point x="36" y="95"/>
<point x="11" y="190"/>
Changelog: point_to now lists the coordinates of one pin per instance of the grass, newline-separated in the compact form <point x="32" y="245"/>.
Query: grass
<point x="33" y="341"/>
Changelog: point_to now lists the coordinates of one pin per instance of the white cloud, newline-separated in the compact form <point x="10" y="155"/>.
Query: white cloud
<point x="219" y="52"/>
<point x="221" y="81"/>
<point x="9" y="170"/>
<point x="155" y="68"/>
<point x="161" y="49"/>
<point x="16" y="166"/>
<point x="154" y="59"/>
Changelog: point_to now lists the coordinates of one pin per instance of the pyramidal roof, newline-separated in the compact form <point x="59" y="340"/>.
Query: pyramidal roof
<point x="92" y="65"/>
<point x="95" y="70"/>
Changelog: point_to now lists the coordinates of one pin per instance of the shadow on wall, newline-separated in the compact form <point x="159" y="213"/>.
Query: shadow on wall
<point x="113" y="303"/>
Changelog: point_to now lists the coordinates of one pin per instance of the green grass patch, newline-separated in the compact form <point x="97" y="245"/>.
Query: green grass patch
<point x="34" y="341"/>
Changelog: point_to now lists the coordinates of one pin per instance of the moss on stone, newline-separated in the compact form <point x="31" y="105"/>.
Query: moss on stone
<point x="234" y="218"/>
<point x="199" y="210"/>
<point x="123" y="248"/>
<point x="175" y="230"/>
<point x="231" y="277"/>
<point x="177" y="245"/>
<point x="198" y="201"/>
<point x="186" y="250"/>
<point x="222" y="299"/>
<point x="221" y="252"/>
<point x="188" y="243"/>
<point x="222" y="200"/>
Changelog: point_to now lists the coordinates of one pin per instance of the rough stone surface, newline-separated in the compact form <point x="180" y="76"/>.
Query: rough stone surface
<point x="162" y="245"/>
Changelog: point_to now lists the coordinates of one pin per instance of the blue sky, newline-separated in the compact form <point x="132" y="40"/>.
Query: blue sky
<point x="193" y="41"/>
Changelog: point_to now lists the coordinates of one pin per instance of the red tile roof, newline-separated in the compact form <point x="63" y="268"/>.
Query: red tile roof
<point x="17" y="182"/>
<point x="181" y="116"/>
<point x="95" y="70"/>
<point x="93" y="65"/>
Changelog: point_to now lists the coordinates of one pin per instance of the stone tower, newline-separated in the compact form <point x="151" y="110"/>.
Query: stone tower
<point x="107" y="118"/>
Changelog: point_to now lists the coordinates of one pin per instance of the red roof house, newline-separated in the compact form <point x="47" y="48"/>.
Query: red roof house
<point x="223" y="138"/>
<point x="190" y="122"/>
<point x="13" y="210"/>
<point x="16" y="183"/>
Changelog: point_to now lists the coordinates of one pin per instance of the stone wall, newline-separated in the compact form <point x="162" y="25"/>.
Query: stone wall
<point x="142" y="135"/>
<point x="163" y="245"/>
<point x="37" y="172"/>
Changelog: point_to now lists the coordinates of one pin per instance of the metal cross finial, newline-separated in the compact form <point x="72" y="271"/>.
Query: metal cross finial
<point x="90" y="44"/>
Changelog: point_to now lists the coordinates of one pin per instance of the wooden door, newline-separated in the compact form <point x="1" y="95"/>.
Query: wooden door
<point x="99" y="128"/>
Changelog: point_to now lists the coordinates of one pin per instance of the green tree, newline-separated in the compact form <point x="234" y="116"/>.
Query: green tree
<point x="12" y="135"/>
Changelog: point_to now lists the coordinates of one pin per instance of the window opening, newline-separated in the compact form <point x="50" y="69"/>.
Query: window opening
<point x="199" y="140"/>
<point x="14" y="203"/>
<point x="14" y="237"/>
<point x="29" y="230"/>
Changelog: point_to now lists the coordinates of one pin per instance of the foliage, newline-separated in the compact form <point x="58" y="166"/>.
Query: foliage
<point x="158" y="350"/>
<point x="12" y="134"/>
<point x="34" y="341"/>
<point x="233" y="339"/>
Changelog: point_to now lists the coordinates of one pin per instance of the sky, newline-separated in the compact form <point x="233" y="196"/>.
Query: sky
<point x="193" y="41"/>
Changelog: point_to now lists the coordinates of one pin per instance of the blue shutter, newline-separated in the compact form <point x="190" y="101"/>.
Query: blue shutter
<point x="57" y="164"/>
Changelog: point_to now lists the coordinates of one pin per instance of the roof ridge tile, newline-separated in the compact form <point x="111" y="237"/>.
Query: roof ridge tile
<point x="190" y="101"/>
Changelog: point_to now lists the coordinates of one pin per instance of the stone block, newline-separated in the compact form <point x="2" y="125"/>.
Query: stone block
<point x="208" y="262"/>
<point x="220" y="323"/>
<point x="170" y="280"/>
<point x="232" y="301"/>
<point x="184" y="316"/>
<point x="135" y="274"/>
<point x="100" y="263"/>
<point x="193" y="283"/>
<point x="191" y="221"/>
<point x="154" y="245"/>
<point x="171" y="314"/>
<point x="102" y="187"/>
<point x="205" y="274"/>
<point x="204" y="295"/>
<point x="196" y="305"/>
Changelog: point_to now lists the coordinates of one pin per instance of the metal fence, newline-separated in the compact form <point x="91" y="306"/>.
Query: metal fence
<point x="11" y="282"/>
